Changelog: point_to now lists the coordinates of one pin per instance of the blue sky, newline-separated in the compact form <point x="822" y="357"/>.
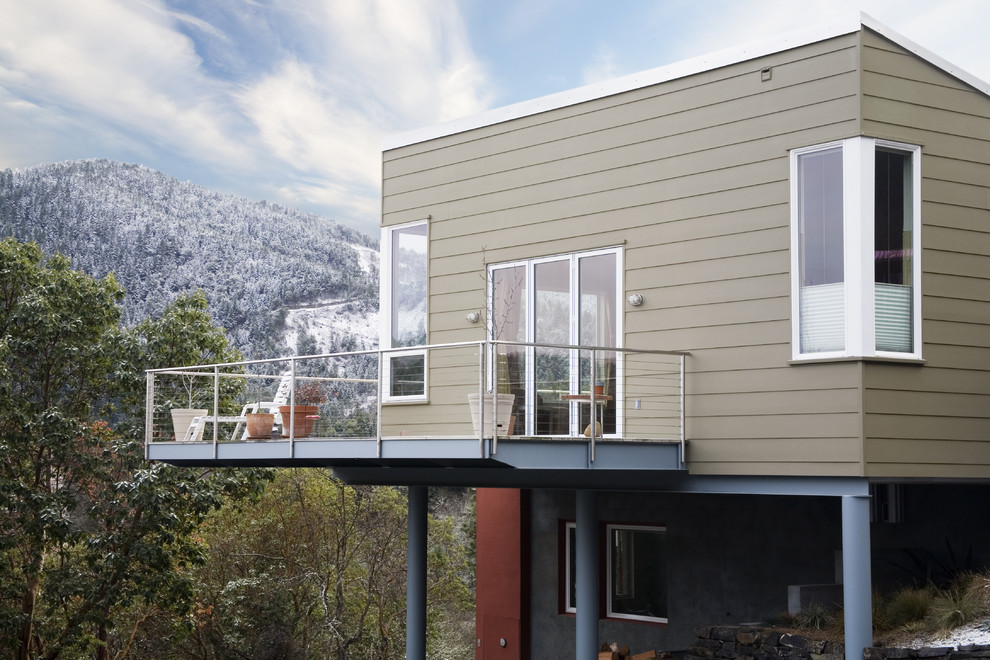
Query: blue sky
<point x="288" y="100"/>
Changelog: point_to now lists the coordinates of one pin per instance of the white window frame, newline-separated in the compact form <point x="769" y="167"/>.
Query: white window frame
<point x="573" y="259"/>
<point x="858" y="161"/>
<point x="609" y="611"/>
<point x="385" y="317"/>
<point x="570" y="528"/>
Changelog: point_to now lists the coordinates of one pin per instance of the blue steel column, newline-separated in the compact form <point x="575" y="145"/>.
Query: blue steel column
<point x="857" y="591"/>
<point x="586" y="579"/>
<point x="416" y="575"/>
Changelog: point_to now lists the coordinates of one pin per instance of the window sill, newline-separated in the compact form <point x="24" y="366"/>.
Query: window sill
<point x="853" y="358"/>
<point x="405" y="402"/>
<point x="662" y="623"/>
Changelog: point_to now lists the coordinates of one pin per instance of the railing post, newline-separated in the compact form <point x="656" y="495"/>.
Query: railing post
<point x="482" y="356"/>
<point x="683" y="400"/>
<point x="216" y="411"/>
<point x="381" y="362"/>
<point x="149" y="413"/>
<point x="592" y="408"/>
<point x="292" y="408"/>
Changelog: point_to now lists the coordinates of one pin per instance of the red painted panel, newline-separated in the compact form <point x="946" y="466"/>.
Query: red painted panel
<point x="502" y="574"/>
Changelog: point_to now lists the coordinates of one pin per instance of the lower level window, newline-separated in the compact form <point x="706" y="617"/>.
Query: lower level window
<point x="634" y="571"/>
<point x="637" y="570"/>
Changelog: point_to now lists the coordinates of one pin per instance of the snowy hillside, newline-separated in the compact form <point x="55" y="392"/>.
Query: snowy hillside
<point x="275" y="277"/>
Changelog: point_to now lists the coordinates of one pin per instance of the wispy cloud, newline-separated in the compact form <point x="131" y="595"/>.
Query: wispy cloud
<point x="305" y="120"/>
<point x="602" y="66"/>
<point x="289" y="99"/>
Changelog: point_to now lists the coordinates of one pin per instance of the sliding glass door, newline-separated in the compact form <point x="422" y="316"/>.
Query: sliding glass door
<point x="559" y="302"/>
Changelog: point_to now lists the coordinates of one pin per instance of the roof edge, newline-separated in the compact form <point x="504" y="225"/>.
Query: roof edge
<point x="785" y="41"/>
<point x="936" y="60"/>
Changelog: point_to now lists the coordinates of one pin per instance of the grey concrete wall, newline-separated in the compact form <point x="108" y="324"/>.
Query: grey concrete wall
<point x="945" y="529"/>
<point x="732" y="558"/>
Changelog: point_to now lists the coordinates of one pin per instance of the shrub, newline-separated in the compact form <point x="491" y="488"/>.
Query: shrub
<point x="954" y="607"/>
<point x="818" y="617"/>
<point x="908" y="605"/>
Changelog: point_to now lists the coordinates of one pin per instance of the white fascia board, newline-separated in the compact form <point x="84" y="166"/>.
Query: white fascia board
<point x="786" y="41"/>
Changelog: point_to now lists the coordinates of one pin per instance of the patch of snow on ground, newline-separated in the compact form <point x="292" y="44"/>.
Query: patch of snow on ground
<point x="977" y="632"/>
<point x="367" y="258"/>
<point x="330" y="322"/>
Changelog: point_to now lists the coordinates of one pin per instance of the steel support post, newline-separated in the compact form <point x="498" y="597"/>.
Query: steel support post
<point x="857" y="585"/>
<point x="416" y="575"/>
<point x="586" y="579"/>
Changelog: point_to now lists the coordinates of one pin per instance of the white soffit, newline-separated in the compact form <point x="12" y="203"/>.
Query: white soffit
<point x="852" y="23"/>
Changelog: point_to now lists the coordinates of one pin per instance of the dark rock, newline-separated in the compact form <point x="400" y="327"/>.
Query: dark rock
<point x="794" y="641"/>
<point x="747" y="636"/>
<point x="934" y="652"/>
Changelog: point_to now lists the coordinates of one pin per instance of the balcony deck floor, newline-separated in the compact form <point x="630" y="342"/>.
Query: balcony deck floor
<point x="405" y="460"/>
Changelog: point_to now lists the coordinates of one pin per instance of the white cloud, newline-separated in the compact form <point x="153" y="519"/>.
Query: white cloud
<point x="386" y="66"/>
<point x="602" y="66"/>
<point x="119" y="62"/>
<point x="291" y="99"/>
<point x="954" y="29"/>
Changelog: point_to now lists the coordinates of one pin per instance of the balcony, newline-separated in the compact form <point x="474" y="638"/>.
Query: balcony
<point x="564" y="414"/>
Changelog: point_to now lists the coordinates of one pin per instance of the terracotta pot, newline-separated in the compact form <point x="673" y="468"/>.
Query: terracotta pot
<point x="306" y="417"/>
<point x="260" y="425"/>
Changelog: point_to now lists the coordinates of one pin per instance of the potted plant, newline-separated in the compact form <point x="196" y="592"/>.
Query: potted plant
<point x="309" y="395"/>
<point x="259" y="424"/>
<point x="183" y="417"/>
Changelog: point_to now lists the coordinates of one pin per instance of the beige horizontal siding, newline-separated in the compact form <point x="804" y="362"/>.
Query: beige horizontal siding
<point x="796" y="68"/>
<point x="690" y="178"/>
<point x="788" y="450"/>
<point x="934" y="420"/>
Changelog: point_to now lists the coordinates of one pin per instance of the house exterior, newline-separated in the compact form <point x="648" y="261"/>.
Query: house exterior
<point x="808" y="221"/>
<point x="726" y="328"/>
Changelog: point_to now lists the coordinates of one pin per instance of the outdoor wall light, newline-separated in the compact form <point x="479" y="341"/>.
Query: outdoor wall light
<point x="635" y="299"/>
<point x="472" y="317"/>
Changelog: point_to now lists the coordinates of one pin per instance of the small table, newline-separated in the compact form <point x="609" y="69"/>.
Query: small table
<point x="600" y="401"/>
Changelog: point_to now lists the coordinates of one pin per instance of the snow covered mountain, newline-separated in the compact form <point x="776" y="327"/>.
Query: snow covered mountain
<point x="277" y="279"/>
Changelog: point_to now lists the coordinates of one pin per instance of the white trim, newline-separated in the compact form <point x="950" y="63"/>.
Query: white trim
<point x="568" y="526"/>
<point x="794" y="39"/>
<point x="857" y="229"/>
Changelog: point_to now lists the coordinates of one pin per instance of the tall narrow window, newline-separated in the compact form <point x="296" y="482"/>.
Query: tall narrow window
<point x="404" y="257"/>
<point x="893" y="230"/>
<point x="820" y="248"/>
<point x="855" y="245"/>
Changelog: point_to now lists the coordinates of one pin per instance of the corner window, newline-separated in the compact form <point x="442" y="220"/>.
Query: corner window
<point x="634" y="568"/>
<point x="855" y="247"/>
<point x="403" y="305"/>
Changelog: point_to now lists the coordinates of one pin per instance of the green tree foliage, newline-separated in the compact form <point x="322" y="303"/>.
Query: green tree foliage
<point x="87" y="527"/>
<point x="317" y="569"/>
